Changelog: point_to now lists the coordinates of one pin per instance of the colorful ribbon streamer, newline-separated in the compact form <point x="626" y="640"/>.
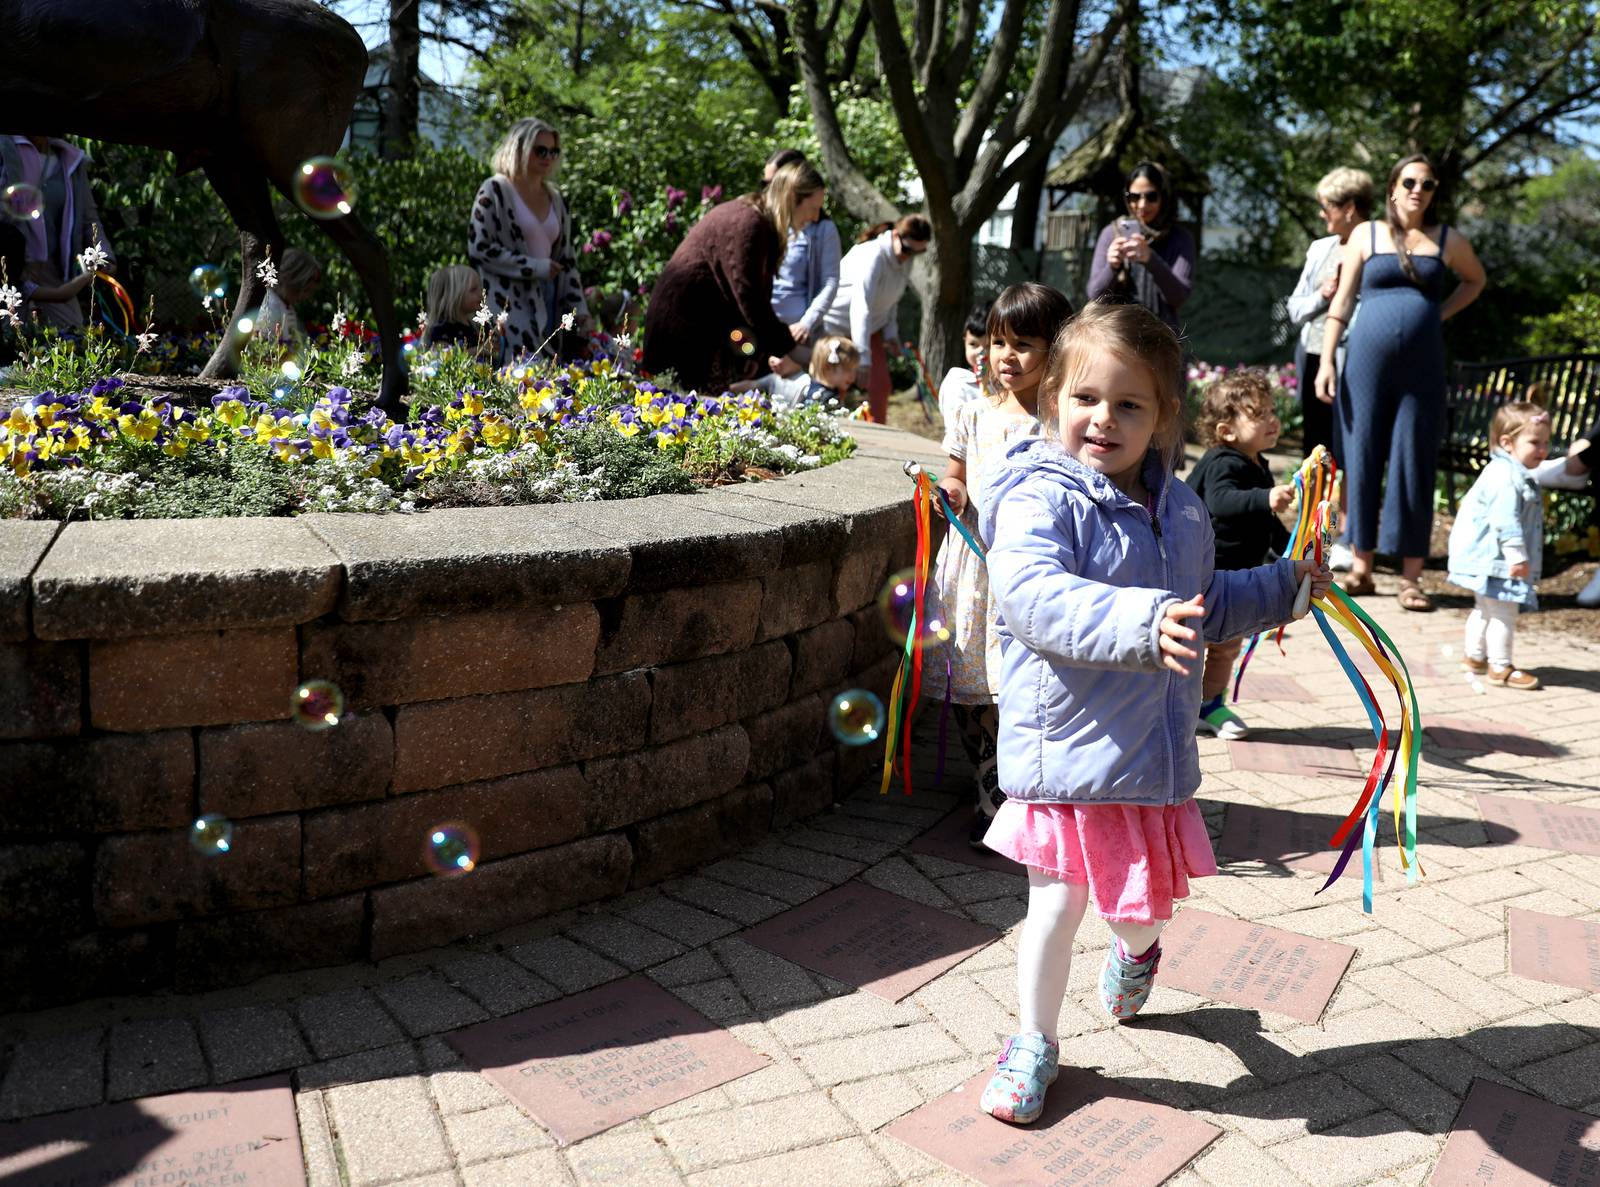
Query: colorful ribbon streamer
<point x="907" y="690"/>
<point x="124" y="303"/>
<point x="927" y="396"/>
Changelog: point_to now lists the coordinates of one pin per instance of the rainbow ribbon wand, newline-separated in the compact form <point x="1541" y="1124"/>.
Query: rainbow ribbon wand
<point x="907" y="689"/>
<point x="926" y="397"/>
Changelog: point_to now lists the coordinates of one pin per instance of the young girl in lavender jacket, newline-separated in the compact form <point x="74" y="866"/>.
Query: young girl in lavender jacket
<point x="1101" y="566"/>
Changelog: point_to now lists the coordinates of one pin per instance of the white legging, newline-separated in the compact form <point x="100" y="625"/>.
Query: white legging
<point x="1490" y="628"/>
<point x="1044" y="954"/>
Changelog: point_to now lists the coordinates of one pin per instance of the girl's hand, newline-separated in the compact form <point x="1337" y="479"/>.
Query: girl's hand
<point x="1321" y="579"/>
<point x="1280" y="498"/>
<point x="1520" y="570"/>
<point x="1174" y="635"/>
<point x="956" y="491"/>
<point x="1325" y="381"/>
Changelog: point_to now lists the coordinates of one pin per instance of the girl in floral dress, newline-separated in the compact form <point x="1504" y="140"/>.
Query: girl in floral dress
<point x="1023" y="322"/>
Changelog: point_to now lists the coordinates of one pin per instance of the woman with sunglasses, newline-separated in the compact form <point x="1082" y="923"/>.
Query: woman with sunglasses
<point x="520" y="239"/>
<point x="1145" y="258"/>
<point x="1389" y="408"/>
<point x="872" y="278"/>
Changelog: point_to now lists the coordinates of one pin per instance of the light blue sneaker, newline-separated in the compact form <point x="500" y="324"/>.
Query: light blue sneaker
<point x="1028" y="1064"/>
<point x="1125" y="983"/>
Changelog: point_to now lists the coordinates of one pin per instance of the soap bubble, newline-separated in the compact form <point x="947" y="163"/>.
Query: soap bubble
<point x="291" y="370"/>
<point x="451" y="849"/>
<point x="742" y="342"/>
<point x="211" y="835"/>
<point x="245" y="328"/>
<point x="21" y="203"/>
<point x="322" y="187"/>
<point x="317" y="705"/>
<point x="897" y="602"/>
<point x="856" y="717"/>
<point x="209" y="280"/>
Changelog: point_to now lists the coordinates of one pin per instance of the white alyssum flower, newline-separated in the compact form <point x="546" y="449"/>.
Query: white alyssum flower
<point x="267" y="273"/>
<point x="94" y="258"/>
<point x="483" y="317"/>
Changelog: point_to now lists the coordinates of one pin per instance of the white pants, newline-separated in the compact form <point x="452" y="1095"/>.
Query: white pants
<point x="1044" y="954"/>
<point x="1490" y="628"/>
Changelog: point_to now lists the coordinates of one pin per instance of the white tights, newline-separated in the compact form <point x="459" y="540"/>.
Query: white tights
<point x="1044" y="955"/>
<point x="1490" y="628"/>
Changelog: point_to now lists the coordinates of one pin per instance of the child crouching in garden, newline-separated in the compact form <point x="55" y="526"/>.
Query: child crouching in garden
<point x="834" y="360"/>
<point x="1023" y="322"/>
<point x="1101" y="567"/>
<point x="455" y="293"/>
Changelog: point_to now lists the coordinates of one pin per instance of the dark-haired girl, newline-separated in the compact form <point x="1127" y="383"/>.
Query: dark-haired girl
<point x="872" y="278"/>
<point x="1389" y="411"/>
<point x="1022" y="326"/>
<point x="1145" y="258"/>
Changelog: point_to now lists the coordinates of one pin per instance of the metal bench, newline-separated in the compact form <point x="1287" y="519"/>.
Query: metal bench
<point x="1571" y="391"/>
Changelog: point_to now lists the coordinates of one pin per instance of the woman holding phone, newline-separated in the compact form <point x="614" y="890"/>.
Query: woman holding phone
<point x="1145" y="258"/>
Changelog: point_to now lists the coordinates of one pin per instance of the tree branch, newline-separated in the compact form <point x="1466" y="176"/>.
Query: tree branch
<point x="960" y="55"/>
<point x="860" y="196"/>
<point x="921" y="116"/>
<point x="979" y="113"/>
<point x="853" y="43"/>
<point x="1574" y="101"/>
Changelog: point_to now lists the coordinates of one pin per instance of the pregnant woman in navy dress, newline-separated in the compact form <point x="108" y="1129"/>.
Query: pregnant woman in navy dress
<point x="1390" y="407"/>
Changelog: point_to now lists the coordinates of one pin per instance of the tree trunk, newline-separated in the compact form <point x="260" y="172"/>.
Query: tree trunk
<point x="402" y="112"/>
<point x="943" y="283"/>
<point x="577" y="42"/>
<point x="1025" y="214"/>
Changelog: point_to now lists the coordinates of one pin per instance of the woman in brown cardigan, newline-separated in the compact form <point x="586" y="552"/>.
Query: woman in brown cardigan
<point x="710" y="319"/>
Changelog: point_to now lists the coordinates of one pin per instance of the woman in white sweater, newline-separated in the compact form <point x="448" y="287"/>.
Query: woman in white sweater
<point x="872" y="278"/>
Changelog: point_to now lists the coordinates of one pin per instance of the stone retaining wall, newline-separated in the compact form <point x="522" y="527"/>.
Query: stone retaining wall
<point x="608" y="693"/>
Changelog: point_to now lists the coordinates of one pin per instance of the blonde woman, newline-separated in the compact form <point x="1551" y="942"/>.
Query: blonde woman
<point x="520" y="239"/>
<point x="1344" y="200"/>
<point x="710" y="319"/>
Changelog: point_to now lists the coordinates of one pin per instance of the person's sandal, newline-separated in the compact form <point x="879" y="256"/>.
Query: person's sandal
<point x="1028" y="1064"/>
<point x="1411" y="597"/>
<point x="1513" y="678"/>
<point x="1358" y="587"/>
<point x="1476" y="666"/>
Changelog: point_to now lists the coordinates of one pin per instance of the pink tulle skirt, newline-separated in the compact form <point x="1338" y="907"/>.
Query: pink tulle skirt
<point x="1136" y="860"/>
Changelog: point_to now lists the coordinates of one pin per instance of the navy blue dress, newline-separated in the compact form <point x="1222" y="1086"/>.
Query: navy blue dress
<point x="1390" y="410"/>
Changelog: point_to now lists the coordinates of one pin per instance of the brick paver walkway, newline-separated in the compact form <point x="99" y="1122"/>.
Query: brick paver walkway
<point x="1364" y="1096"/>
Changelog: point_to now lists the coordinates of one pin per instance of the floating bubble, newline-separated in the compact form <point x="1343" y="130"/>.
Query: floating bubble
<point x="317" y="705"/>
<point x="211" y="835"/>
<point x="322" y="187"/>
<point x="856" y="717"/>
<point x="21" y="203"/>
<point x="244" y="329"/>
<point x="451" y="849"/>
<point x="209" y="280"/>
<point x="742" y="341"/>
<point x="291" y="370"/>
<point x="897" y="603"/>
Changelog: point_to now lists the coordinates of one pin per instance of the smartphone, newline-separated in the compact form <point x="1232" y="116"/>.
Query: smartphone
<point x="1128" y="227"/>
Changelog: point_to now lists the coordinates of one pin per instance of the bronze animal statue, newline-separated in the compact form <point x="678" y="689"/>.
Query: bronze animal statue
<point x="246" y="90"/>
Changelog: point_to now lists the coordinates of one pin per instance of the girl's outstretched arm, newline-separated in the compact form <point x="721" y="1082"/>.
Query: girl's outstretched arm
<point x="1063" y="617"/>
<point x="1244" y="601"/>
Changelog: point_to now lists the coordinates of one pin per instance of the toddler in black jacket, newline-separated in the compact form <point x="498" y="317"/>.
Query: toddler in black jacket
<point x="1238" y="423"/>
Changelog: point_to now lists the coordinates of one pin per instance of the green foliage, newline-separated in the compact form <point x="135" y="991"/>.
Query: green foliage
<point x="633" y="466"/>
<point x="51" y="362"/>
<point x="876" y="144"/>
<point x="1572" y="329"/>
<point x="244" y="481"/>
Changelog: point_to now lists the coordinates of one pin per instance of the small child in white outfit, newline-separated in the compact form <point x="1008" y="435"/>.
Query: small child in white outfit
<point x="1497" y="543"/>
<point x="962" y="385"/>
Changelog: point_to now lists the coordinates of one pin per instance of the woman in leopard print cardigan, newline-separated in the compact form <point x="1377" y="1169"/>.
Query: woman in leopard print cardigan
<point x="520" y="239"/>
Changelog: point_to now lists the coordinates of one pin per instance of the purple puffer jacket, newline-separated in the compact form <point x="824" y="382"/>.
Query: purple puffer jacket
<point x="1081" y="577"/>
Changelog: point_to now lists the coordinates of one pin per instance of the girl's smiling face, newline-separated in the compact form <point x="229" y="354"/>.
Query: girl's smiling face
<point x="1531" y="445"/>
<point x="1110" y="411"/>
<point x="1017" y="363"/>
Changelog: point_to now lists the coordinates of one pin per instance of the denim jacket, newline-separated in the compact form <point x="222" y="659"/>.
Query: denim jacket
<point x="1503" y="510"/>
<point x="1082" y="576"/>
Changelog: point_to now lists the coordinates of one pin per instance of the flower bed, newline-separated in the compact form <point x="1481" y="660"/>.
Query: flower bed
<point x="290" y="438"/>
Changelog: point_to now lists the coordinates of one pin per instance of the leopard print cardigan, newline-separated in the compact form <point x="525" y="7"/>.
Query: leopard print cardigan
<point x="512" y="280"/>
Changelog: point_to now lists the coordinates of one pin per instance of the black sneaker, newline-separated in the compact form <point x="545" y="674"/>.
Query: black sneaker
<point x="980" y="826"/>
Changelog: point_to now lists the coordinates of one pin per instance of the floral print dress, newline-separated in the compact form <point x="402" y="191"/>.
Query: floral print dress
<point x="979" y="435"/>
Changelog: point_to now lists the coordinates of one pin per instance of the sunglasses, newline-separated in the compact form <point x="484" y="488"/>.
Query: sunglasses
<point x="1428" y="184"/>
<point x="545" y="153"/>
<point x="1148" y="198"/>
<point x="910" y="247"/>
